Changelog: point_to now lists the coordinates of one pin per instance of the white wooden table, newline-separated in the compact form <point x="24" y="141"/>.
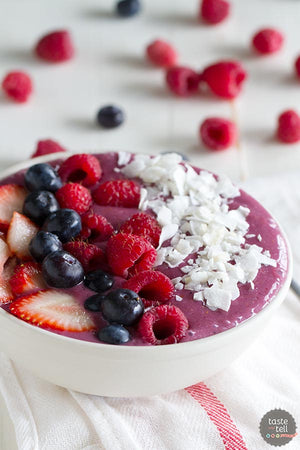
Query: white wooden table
<point x="109" y="68"/>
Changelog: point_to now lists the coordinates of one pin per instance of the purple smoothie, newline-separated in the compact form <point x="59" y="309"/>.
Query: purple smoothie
<point x="203" y="321"/>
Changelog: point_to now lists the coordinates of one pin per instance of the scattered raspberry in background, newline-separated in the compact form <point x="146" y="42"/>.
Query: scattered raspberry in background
<point x="143" y="224"/>
<point x="151" y="285"/>
<point x="81" y="168"/>
<point x="161" y="53"/>
<point x="267" y="41"/>
<point x="90" y="256"/>
<point x="124" y="193"/>
<point x="47" y="146"/>
<point x="297" y="67"/>
<point x="214" y="11"/>
<point x="183" y="81"/>
<point x="225" y="78"/>
<point x="217" y="133"/>
<point x="74" y="196"/>
<point x="55" y="47"/>
<point x="17" y="86"/>
<point x="95" y="227"/>
<point x="288" y="129"/>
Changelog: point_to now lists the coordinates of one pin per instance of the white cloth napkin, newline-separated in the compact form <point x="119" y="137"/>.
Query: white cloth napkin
<point x="265" y="377"/>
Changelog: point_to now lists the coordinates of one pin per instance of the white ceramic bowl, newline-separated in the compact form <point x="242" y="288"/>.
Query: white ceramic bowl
<point x="118" y="371"/>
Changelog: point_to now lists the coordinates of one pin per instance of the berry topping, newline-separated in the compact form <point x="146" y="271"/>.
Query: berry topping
<point x="52" y="309"/>
<point x="161" y="53"/>
<point x="110" y="116"/>
<point x="17" y="86"/>
<point x="225" y="78"/>
<point x="20" y="232"/>
<point x="297" y="67"/>
<point x="62" y="270"/>
<point x="142" y="224"/>
<point x="182" y="81"/>
<point x="122" y="306"/>
<point x="214" y="11"/>
<point x="82" y="168"/>
<point x="164" y="324"/>
<point x="128" y="8"/>
<point x="288" y="129"/>
<point x="267" y="41"/>
<point x="26" y="278"/>
<point x="114" y="334"/>
<point x="93" y="303"/>
<point x="6" y="295"/>
<point x="217" y="133"/>
<point x="55" y="47"/>
<point x="129" y="254"/>
<point x="98" y="281"/>
<point x="12" y="198"/>
<point x="89" y="255"/>
<point x="46" y="147"/>
<point x="5" y="253"/>
<point x="95" y="227"/>
<point x="38" y="205"/>
<point x="65" y="223"/>
<point x="151" y="285"/>
<point x="125" y="193"/>
<point x="74" y="196"/>
<point x="42" y="177"/>
<point x="42" y="244"/>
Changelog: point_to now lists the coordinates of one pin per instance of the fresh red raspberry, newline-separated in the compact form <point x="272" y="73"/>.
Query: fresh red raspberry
<point x="17" y="86"/>
<point x="164" y="324"/>
<point x="214" y="11"/>
<point x="267" y="41"/>
<point x="288" y="129"/>
<point x="297" y="67"/>
<point x="143" y="224"/>
<point x="95" y="227"/>
<point x="125" y="193"/>
<point x="90" y="256"/>
<point x="217" y="133"/>
<point x="47" y="146"/>
<point x="128" y="254"/>
<point x="74" y="196"/>
<point x="183" y="81"/>
<point x="82" y="168"/>
<point x="225" y="78"/>
<point x="161" y="53"/>
<point x="55" y="47"/>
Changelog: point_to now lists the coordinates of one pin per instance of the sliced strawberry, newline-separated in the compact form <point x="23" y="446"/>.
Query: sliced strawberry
<point x="52" y="309"/>
<point x="20" y="232"/>
<point x="5" y="253"/>
<point x="12" y="198"/>
<point x="6" y="295"/>
<point x="26" y="278"/>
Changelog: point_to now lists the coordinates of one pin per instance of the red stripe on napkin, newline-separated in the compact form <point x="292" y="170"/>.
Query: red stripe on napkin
<point x="219" y="415"/>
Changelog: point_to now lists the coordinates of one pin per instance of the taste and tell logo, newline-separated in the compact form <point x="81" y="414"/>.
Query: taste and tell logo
<point x="277" y="427"/>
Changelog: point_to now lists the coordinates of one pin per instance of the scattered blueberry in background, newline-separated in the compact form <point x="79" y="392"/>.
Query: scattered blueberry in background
<point x="128" y="8"/>
<point x="42" y="244"/>
<point x="122" y="306"/>
<point x="39" y="205"/>
<point x="65" y="223"/>
<point x="114" y="334"/>
<point x="62" y="270"/>
<point x="110" y="116"/>
<point x="93" y="303"/>
<point x="98" y="281"/>
<point x="42" y="177"/>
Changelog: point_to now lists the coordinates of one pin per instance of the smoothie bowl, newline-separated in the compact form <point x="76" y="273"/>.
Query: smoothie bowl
<point x="132" y="275"/>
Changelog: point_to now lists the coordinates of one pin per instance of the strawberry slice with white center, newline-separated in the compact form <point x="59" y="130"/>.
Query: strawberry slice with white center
<point x="52" y="309"/>
<point x="12" y="198"/>
<point x="6" y="295"/>
<point x="5" y="253"/>
<point x="20" y="232"/>
<point x="26" y="278"/>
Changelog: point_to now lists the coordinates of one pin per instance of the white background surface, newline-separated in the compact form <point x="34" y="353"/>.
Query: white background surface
<point x="109" y="68"/>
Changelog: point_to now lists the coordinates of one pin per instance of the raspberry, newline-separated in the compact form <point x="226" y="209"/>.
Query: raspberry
<point x="82" y="168"/>
<point x="17" y="86"/>
<point x="47" y="146"/>
<point x="164" y="324"/>
<point x="214" y="11"/>
<point x="129" y="254"/>
<point x="74" y="196"/>
<point x="161" y="53"/>
<point x="55" y="47"/>
<point x="297" y="67"/>
<point x="225" y="78"/>
<point x="125" y="193"/>
<point x="90" y="256"/>
<point x="267" y="41"/>
<point x="288" y="129"/>
<point x="142" y="224"/>
<point x="217" y="133"/>
<point x="95" y="227"/>
<point x="183" y="81"/>
<point x="152" y="286"/>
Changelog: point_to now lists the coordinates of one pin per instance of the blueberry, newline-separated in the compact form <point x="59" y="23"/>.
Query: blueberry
<point x="98" y="281"/>
<point x="184" y="157"/>
<point x="42" y="177"/>
<point x="110" y="116"/>
<point x="39" y="205"/>
<point x="128" y="8"/>
<point x="65" y="223"/>
<point x="42" y="244"/>
<point x="93" y="303"/>
<point x="114" y="334"/>
<point x="122" y="306"/>
<point x="62" y="270"/>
